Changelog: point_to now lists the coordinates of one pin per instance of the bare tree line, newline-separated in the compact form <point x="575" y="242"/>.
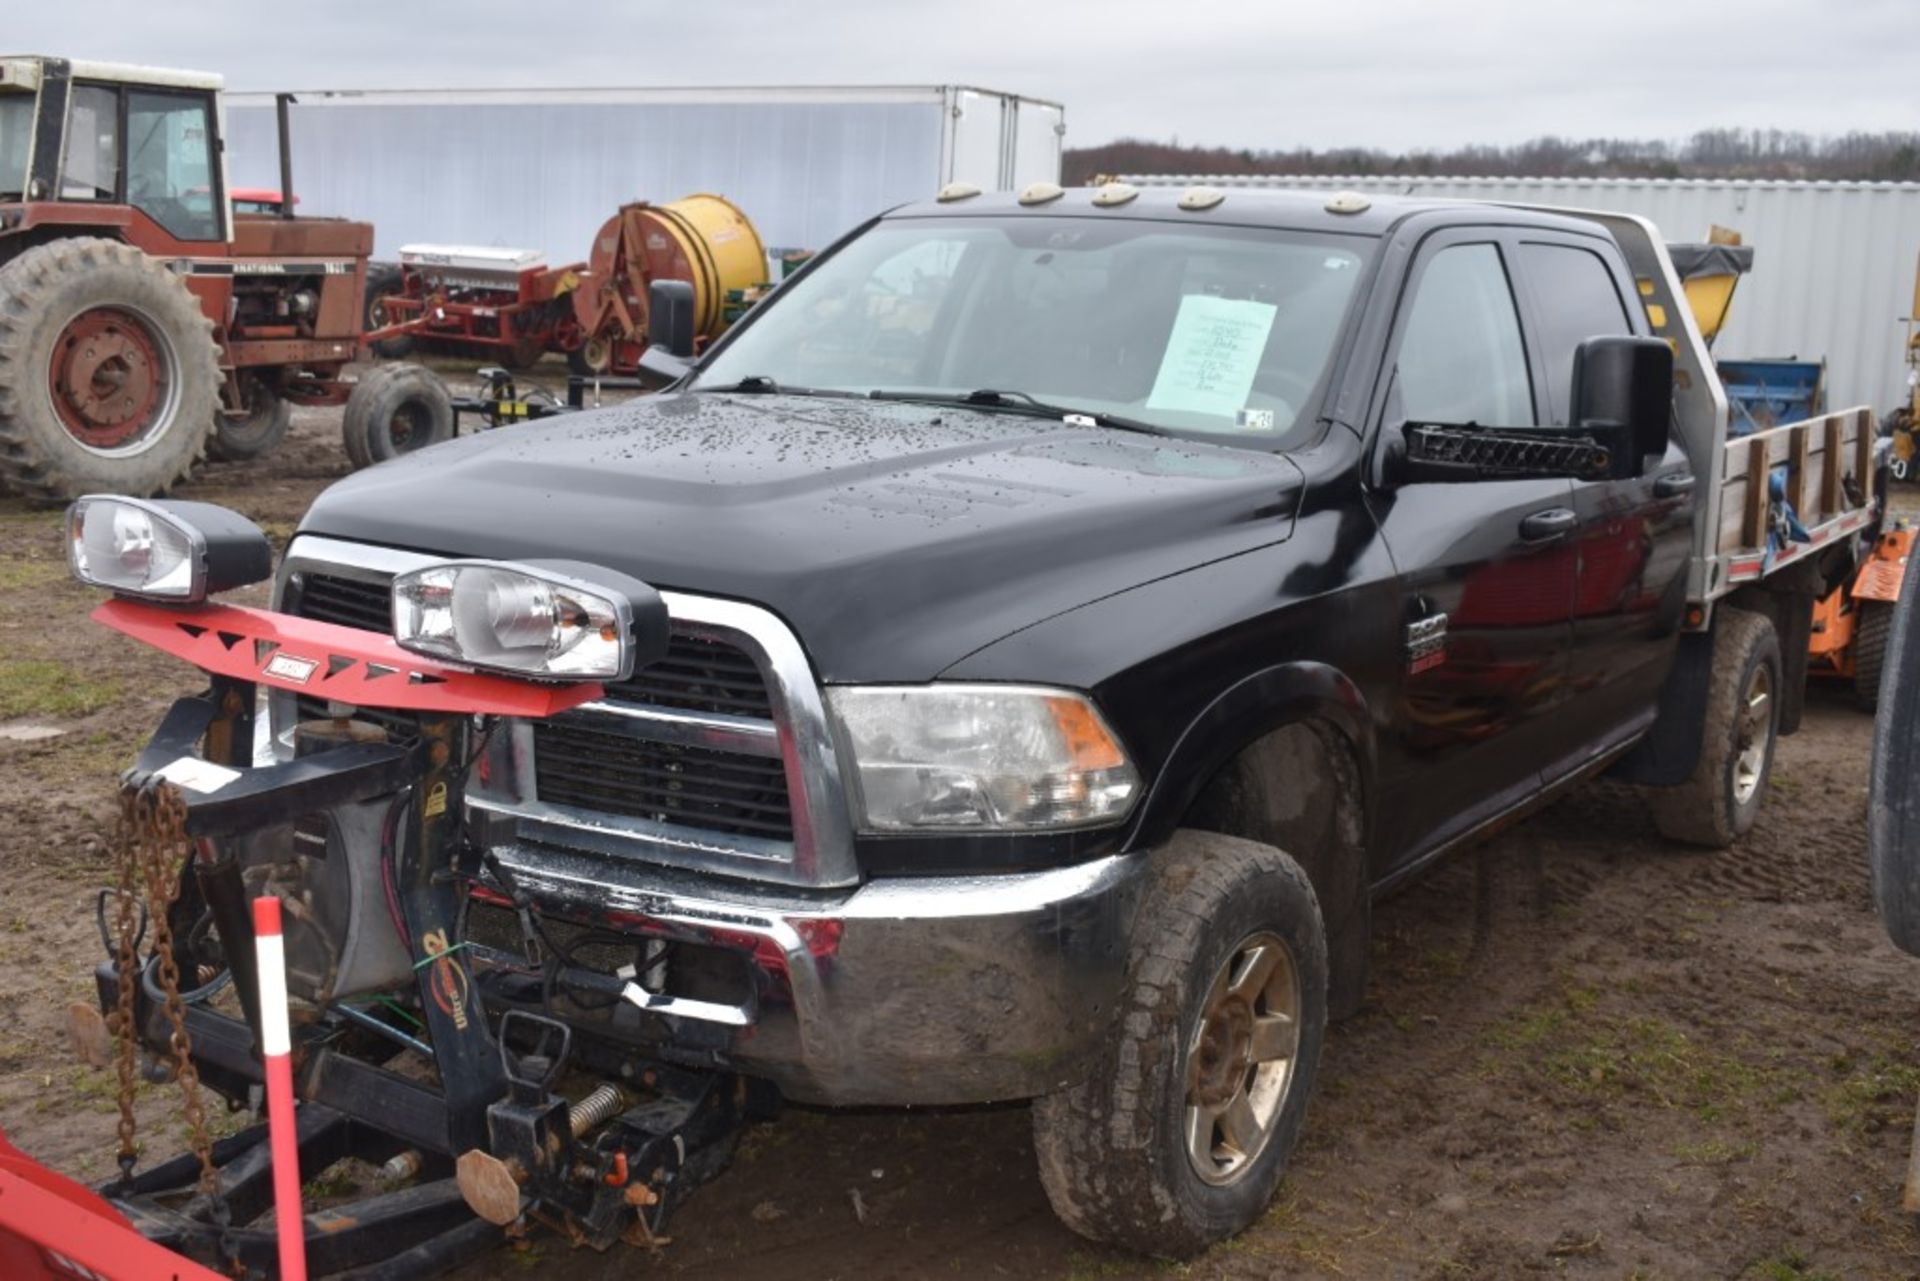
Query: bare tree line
<point x="1710" y="153"/>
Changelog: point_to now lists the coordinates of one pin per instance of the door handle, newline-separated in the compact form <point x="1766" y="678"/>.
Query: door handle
<point x="1551" y="523"/>
<point x="1673" y="485"/>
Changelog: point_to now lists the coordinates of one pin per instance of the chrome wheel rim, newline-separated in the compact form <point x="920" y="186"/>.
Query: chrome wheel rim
<point x="1240" y="1058"/>
<point x="1754" y="734"/>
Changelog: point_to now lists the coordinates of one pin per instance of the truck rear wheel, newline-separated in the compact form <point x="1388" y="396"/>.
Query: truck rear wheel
<point x="1179" y="1133"/>
<point x="395" y="410"/>
<point x="255" y="433"/>
<point x="1719" y="803"/>
<point x="109" y="378"/>
<point x="1870" y="634"/>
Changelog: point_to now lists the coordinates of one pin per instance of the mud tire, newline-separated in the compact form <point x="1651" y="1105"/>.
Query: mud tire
<point x="382" y="280"/>
<point x="395" y="410"/>
<point x="1708" y="809"/>
<point x="40" y="292"/>
<point x="1870" y="635"/>
<point x="1112" y="1149"/>
<point x="239" y="438"/>
<point x="1893" y="803"/>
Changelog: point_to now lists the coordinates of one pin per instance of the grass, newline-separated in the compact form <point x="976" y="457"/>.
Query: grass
<point x="18" y="574"/>
<point x="46" y="687"/>
<point x="1873" y="1095"/>
<point x="1716" y="1152"/>
<point x="1788" y="1266"/>
<point x="1590" y="1056"/>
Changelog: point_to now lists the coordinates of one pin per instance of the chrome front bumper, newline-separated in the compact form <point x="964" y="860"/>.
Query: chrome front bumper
<point x="933" y="990"/>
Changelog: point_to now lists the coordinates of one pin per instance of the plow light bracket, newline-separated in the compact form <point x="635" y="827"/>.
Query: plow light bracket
<point x="331" y="662"/>
<point x="164" y="550"/>
<point x="549" y="620"/>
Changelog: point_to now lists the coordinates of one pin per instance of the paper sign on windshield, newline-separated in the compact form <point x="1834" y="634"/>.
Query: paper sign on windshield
<point x="1212" y="355"/>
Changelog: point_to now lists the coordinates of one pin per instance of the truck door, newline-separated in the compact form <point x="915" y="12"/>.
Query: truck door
<point x="1634" y="536"/>
<point x="1486" y="567"/>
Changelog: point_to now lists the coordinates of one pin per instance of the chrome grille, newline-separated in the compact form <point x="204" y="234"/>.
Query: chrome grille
<point x="715" y="758"/>
<point x="608" y="772"/>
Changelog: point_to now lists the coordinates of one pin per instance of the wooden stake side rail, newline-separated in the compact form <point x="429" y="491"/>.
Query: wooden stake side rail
<point x="1822" y="455"/>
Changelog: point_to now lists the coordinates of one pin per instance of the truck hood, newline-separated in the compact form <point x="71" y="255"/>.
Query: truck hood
<point x="895" y="539"/>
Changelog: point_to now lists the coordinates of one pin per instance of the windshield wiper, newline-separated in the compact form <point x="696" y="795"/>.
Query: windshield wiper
<point x="1020" y="402"/>
<point x="765" y="385"/>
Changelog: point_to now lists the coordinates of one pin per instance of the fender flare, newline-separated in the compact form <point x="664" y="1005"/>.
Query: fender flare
<point x="1238" y="717"/>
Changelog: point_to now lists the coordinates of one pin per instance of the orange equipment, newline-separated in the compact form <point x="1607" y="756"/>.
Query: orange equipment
<point x="1850" y="626"/>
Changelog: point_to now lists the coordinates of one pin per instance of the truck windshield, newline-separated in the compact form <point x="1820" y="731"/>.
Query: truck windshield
<point x="16" y="134"/>
<point x="1219" y="331"/>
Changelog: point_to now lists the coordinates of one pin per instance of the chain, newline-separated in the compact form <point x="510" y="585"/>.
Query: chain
<point x="153" y="852"/>
<point x="127" y="970"/>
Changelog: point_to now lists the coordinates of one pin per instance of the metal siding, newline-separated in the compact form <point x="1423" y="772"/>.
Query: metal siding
<point x="1833" y="263"/>
<point x="546" y="175"/>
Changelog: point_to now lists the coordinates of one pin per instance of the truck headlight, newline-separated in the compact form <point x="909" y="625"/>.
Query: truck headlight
<point x="971" y="758"/>
<point x="551" y="619"/>
<point x="163" y="550"/>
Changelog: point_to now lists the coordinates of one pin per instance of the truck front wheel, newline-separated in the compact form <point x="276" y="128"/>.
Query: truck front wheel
<point x="1719" y="803"/>
<point x="1179" y="1133"/>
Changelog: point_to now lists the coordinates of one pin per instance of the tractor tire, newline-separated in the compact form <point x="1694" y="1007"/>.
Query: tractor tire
<point x="109" y="377"/>
<point x="239" y="438"/>
<point x="1893" y="802"/>
<point x="382" y="280"/>
<point x="1719" y="803"/>
<point x="395" y="410"/>
<point x="1870" y="634"/>
<point x="1181" y="1129"/>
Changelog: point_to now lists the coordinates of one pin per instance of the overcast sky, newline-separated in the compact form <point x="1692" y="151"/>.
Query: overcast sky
<point x="1240" y="73"/>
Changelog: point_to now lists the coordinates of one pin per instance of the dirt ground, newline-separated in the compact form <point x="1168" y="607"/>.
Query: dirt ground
<point x="1635" y="1060"/>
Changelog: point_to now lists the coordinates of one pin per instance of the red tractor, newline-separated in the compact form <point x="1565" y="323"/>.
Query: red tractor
<point x="143" y="323"/>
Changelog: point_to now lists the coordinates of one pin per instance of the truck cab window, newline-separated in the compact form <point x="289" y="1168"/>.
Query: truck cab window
<point x="1578" y="301"/>
<point x="90" y="166"/>
<point x="1461" y="358"/>
<point x="170" y="163"/>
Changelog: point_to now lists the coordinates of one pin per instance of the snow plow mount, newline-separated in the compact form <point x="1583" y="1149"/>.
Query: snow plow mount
<point x="467" y="1115"/>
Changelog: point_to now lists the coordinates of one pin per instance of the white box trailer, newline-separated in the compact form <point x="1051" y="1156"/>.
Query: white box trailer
<point x="543" y="169"/>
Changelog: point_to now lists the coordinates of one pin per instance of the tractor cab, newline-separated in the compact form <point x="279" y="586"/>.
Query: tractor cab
<point x="123" y="146"/>
<point x="162" y="329"/>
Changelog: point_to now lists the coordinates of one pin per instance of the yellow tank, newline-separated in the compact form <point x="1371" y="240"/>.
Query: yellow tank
<point x="725" y="250"/>
<point x="703" y="239"/>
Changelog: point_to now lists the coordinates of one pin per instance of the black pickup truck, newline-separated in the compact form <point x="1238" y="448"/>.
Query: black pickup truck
<point x="1082" y="605"/>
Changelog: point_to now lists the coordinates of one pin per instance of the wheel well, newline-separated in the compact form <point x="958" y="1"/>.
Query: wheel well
<point x="1300" y="788"/>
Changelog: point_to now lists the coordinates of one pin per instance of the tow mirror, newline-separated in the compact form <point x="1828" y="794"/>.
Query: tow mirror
<point x="660" y="368"/>
<point x="1623" y="397"/>
<point x="670" y="317"/>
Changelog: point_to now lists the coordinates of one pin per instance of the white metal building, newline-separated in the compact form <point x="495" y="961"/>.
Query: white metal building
<point x="543" y="169"/>
<point x="1833" y="262"/>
